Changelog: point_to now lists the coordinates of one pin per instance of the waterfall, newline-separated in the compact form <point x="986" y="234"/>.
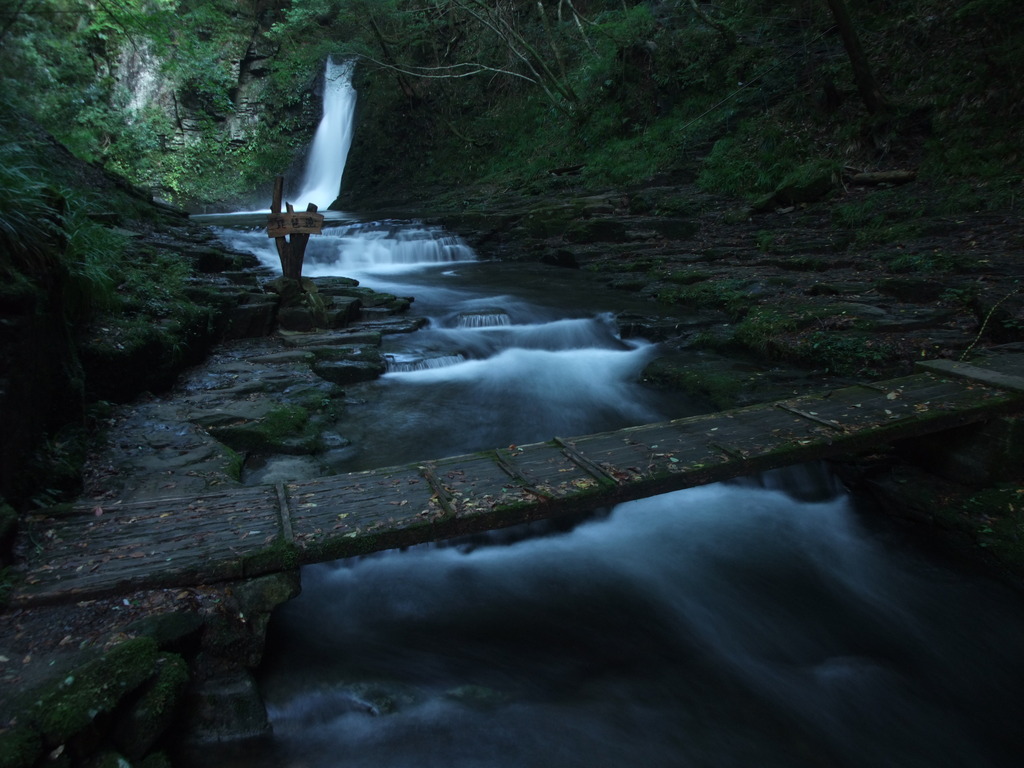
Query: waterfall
<point x="325" y="165"/>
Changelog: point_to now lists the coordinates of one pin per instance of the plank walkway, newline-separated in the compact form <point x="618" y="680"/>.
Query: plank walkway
<point x="247" y="531"/>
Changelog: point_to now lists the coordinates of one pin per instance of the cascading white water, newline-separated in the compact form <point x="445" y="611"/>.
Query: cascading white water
<point x="328" y="153"/>
<point x="728" y="625"/>
<point x="721" y="626"/>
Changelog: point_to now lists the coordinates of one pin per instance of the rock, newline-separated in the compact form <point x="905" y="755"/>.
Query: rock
<point x="334" y="337"/>
<point x="657" y="328"/>
<point x="268" y="470"/>
<point x="75" y="708"/>
<point x="237" y="634"/>
<point x="225" y="708"/>
<point x="252" y="319"/>
<point x="910" y="289"/>
<point x="348" y="371"/>
<point x="334" y="286"/>
<point x="974" y="455"/>
<point x="284" y="358"/>
<point x="1001" y="315"/>
<point x="665" y="228"/>
<point x="397" y="325"/>
<point x="296" y="319"/>
<point x="177" y="632"/>
<point x="155" y="709"/>
<point x="343" y="310"/>
<point x="8" y="527"/>
<point x="596" y="231"/>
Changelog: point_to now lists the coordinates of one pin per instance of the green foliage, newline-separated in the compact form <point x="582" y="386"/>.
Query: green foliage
<point x="846" y="354"/>
<point x="751" y="162"/>
<point x="762" y="327"/>
<point x="729" y="295"/>
<point x="284" y="420"/>
<point x="500" y="93"/>
<point x="995" y="517"/>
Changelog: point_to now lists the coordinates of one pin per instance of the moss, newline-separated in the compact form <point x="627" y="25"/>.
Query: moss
<point x="93" y="690"/>
<point x="728" y="295"/>
<point x="851" y="353"/>
<point x="721" y="387"/>
<point x="996" y="520"/>
<point x="20" y="747"/>
<point x="284" y="429"/>
<point x="157" y="760"/>
<point x="155" y="709"/>
<point x="687" y="276"/>
<point x="235" y="462"/>
<point x="280" y="555"/>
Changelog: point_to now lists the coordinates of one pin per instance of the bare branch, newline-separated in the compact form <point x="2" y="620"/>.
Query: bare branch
<point x="439" y="73"/>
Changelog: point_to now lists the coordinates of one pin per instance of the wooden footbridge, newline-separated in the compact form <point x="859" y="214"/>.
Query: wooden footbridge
<point x="243" y="532"/>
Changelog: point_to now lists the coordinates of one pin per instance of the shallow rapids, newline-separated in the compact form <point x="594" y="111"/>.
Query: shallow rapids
<point x="759" y="623"/>
<point x="730" y="625"/>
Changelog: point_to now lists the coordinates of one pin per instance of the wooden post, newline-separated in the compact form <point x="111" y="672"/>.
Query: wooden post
<point x="283" y="246"/>
<point x="298" y="245"/>
<point x="291" y="232"/>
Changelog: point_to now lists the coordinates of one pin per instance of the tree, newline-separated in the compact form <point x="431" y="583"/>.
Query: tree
<point x="867" y="86"/>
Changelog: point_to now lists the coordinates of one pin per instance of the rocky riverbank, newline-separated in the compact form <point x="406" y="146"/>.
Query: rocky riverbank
<point x="109" y="679"/>
<point x="769" y="302"/>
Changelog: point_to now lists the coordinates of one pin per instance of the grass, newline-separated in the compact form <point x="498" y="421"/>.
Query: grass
<point x="730" y="296"/>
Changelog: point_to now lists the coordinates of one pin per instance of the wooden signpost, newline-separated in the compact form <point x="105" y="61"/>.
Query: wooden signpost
<point x="291" y="231"/>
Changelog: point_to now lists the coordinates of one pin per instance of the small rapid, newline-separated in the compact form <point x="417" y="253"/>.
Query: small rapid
<point x="765" y="622"/>
<point x="728" y="625"/>
<point x="762" y="622"/>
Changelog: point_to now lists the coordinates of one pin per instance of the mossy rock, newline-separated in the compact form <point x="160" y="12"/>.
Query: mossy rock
<point x="93" y="691"/>
<point x="297" y="318"/>
<point x="716" y="382"/>
<point x="548" y="222"/>
<point x="155" y="710"/>
<point x="108" y="760"/>
<point x="177" y="631"/>
<point x="225" y="708"/>
<point x="670" y="228"/>
<point x="20" y="747"/>
<point x="209" y="260"/>
<point x="806" y="184"/>
<point x="334" y="286"/>
<point x="596" y="231"/>
<point x="345" y="372"/>
<point x="285" y="429"/>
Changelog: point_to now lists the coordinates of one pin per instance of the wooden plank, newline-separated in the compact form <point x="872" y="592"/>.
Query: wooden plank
<point x="974" y="373"/>
<point x="275" y="205"/>
<point x="243" y="531"/>
<point x="153" y="543"/>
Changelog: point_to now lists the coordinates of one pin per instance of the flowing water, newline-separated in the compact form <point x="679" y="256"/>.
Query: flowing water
<point x="767" y="622"/>
<point x="753" y="623"/>
<point x="325" y="164"/>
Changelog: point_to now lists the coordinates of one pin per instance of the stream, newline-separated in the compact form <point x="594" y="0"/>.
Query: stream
<point x="768" y="621"/>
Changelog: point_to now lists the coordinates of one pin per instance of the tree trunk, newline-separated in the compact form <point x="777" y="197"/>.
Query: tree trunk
<point x="866" y="85"/>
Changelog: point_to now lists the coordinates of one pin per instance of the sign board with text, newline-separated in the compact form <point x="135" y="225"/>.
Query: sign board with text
<point x="297" y="223"/>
